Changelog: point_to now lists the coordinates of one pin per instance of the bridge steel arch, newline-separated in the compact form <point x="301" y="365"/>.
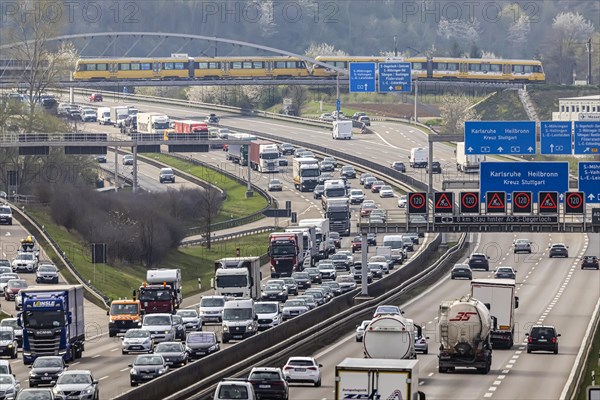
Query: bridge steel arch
<point x="115" y="35"/>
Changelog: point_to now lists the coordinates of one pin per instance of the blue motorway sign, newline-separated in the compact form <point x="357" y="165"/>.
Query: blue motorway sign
<point x="556" y="137"/>
<point x="394" y="77"/>
<point x="587" y="137"/>
<point x="362" y="77"/>
<point x="522" y="176"/>
<point x="500" y="137"/>
<point x="589" y="180"/>
<point x="338" y="105"/>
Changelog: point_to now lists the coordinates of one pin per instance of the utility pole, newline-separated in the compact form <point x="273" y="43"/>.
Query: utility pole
<point x="588" y="46"/>
<point x="395" y="46"/>
<point x="416" y="94"/>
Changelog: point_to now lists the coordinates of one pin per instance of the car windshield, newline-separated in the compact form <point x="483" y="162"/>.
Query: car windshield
<point x="201" y="337"/>
<point x="356" y="192"/>
<point x="120" y="309"/>
<point x="187" y="313"/>
<point x="137" y="333"/>
<point x="289" y="281"/>
<point x="505" y="270"/>
<point x="546" y="332"/>
<point x="43" y="362"/>
<point x="11" y="323"/>
<point x="169" y="348"/>
<point x="300" y="275"/>
<point x="387" y="310"/>
<point x="274" y="287"/>
<point x="294" y="303"/>
<point x="338" y="257"/>
<point x="266" y="308"/>
<point x="275" y="182"/>
<point x="17" y="284"/>
<point x="334" y="235"/>
<point x="312" y="271"/>
<point x="6" y="380"/>
<point x="302" y="363"/>
<point x="478" y="257"/>
<point x="386" y="188"/>
<point x="326" y="266"/>
<point x="148" y="360"/>
<point x="6" y="334"/>
<point x="233" y="314"/>
<point x="74" y="379"/>
<point x="153" y="294"/>
<point x="345" y="278"/>
<point x="46" y="268"/>
<point x="25" y="256"/>
<point x="157" y="320"/>
<point x="212" y="302"/>
<point x="233" y="392"/>
<point x="265" y="376"/>
<point x="36" y="394"/>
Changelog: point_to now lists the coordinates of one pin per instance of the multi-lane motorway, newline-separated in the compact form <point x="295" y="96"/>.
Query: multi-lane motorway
<point x="552" y="291"/>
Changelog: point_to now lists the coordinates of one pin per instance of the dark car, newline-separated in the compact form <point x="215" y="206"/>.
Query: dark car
<point x="101" y="159"/>
<point x="318" y="192"/>
<point x="558" y="250"/>
<point x="292" y="286"/>
<point x="174" y="353"/>
<point x="212" y="119"/>
<point x="201" y="344"/>
<point x="35" y="394"/>
<point x="335" y="236"/>
<point x="398" y="166"/>
<point x="275" y="291"/>
<point x="46" y="273"/>
<point x="368" y="182"/>
<point x="356" y="244"/>
<point x="166" y="175"/>
<point x="357" y="115"/>
<point x="147" y="367"/>
<point x="315" y="275"/>
<point x="96" y="97"/>
<point x="542" y="338"/>
<point x="286" y="149"/>
<point x="179" y="326"/>
<point x="340" y="261"/>
<point x="505" y="273"/>
<point x="348" y="171"/>
<point x="302" y="279"/>
<point x="45" y="370"/>
<point x="479" y="261"/>
<point x="283" y="162"/>
<point x="590" y="262"/>
<point x="364" y="176"/>
<point x="461" y="271"/>
<point x="436" y="168"/>
<point x="324" y="177"/>
<point x="335" y="287"/>
<point x="327" y="166"/>
<point x="371" y="239"/>
<point x="269" y="383"/>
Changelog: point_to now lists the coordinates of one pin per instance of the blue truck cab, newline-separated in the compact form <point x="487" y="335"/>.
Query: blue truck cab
<point x="53" y="322"/>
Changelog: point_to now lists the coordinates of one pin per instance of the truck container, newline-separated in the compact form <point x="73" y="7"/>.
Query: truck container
<point x="170" y="277"/>
<point x="322" y="233"/>
<point x="467" y="163"/>
<point x="153" y="123"/>
<point x="309" y="241"/>
<point x="499" y="294"/>
<point x="194" y="129"/>
<point x="360" y="378"/>
<point x="264" y="156"/>
<point x="53" y="322"/>
<point x="337" y="210"/>
<point x="342" y="130"/>
<point x="306" y="173"/>
<point x="238" y="277"/>
<point x="464" y="327"/>
<point x="333" y="189"/>
<point x="123" y="315"/>
<point x="418" y="157"/>
<point x="285" y="253"/>
<point x="118" y="115"/>
<point x="390" y="336"/>
<point x="238" y="153"/>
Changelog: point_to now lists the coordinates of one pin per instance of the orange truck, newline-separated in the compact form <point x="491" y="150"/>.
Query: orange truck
<point x="123" y="315"/>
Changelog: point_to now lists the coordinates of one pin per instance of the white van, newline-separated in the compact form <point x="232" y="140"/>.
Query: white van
<point x="342" y="130"/>
<point x="239" y="320"/>
<point x="103" y="116"/>
<point x="419" y="157"/>
<point x="396" y="245"/>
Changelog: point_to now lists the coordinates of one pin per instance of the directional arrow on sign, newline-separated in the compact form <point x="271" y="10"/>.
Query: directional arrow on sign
<point x="530" y="149"/>
<point x="470" y="149"/>
<point x="551" y="148"/>
<point x="587" y="150"/>
<point x="500" y="149"/>
<point x="591" y="197"/>
<point x="561" y="196"/>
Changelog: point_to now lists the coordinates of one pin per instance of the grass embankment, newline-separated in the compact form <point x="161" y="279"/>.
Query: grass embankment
<point x="545" y="97"/>
<point x="504" y="106"/>
<point x="592" y="365"/>
<point x="118" y="281"/>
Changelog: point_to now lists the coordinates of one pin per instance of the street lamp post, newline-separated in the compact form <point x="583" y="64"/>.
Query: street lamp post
<point x="395" y="46"/>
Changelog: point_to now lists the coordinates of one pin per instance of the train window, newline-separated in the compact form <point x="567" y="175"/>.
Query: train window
<point x="537" y="68"/>
<point x="145" y="66"/>
<point x="135" y="66"/>
<point x="518" y="69"/>
<point x="235" y="65"/>
<point x="442" y="66"/>
<point x="124" y="67"/>
<point x="280" y="64"/>
<point x="101" y="67"/>
<point x="180" y="65"/>
<point x="475" y="67"/>
<point x="452" y="66"/>
<point x="168" y="65"/>
<point x="496" y="67"/>
<point x="528" y="69"/>
<point x="258" y="64"/>
<point x="417" y="65"/>
<point x="90" y="67"/>
<point x="247" y="65"/>
<point x="341" y="64"/>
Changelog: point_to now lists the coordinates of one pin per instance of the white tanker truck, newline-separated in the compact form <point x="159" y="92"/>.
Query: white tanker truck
<point x="390" y="336"/>
<point x="464" y="327"/>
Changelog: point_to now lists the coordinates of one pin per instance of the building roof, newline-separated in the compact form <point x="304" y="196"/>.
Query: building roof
<point x="594" y="97"/>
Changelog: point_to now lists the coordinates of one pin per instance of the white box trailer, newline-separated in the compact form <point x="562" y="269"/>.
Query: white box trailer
<point x="171" y="277"/>
<point x="499" y="294"/>
<point x="371" y="378"/>
<point x="342" y="130"/>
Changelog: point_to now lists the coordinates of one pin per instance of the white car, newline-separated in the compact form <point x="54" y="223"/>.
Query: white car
<point x="76" y="384"/>
<point x="346" y="282"/>
<point x="327" y="270"/>
<point x="402" y="201"/>
<point x="356" y="196"/>
<point x="387" y="310"/>
<point x="229" y="389"/>
<point x="303" y="369"/>
<point x="293" y="308"/>
<point x="326" y="117"/>
<point x="4" y="278"/>
<point x="211" y="309"/>
<point x="360" y="330"/>
<point x="191" y="319"/>
<point x="128" y="159"/>
<point x="25" y="262"/>
<point x="386" y="191"/>
<point x="268" y="314"/>
<point x="13" y="322"/>
<point x="137" y="340"/>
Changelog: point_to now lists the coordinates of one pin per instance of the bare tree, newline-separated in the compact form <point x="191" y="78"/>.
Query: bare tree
<point x="209" y="204"/>
<point x="463" y="31"/>
<point x="323" y="49"/>
<point x="455" y="110"/>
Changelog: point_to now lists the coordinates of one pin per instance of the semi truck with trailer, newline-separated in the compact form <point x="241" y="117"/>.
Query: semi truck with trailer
<point x="264" y="156"/>
<point x="309" y="241"/>
<point x="53" y="322"/>
<point x="306" y="173"/>
<point x="390" y="336"/>
<point x="238" y="277"/>
<point x="322" y="233"/>
<point x="465" y="327"/>
<point x="333" y="189"/>
<point x="499" y="294"/>
<point x="238" y="153"/>
<point x="418" y="157"/>
<point x="369" y="378"/>
<point x="467" y="163"/>
<point x="152" y="123"/>
<point x="337" y="210"/>
<point x="188" y="127"/>
<point x="285" y="253"/>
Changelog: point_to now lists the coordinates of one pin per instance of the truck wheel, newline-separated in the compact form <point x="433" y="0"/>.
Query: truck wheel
<point x="442" y="370"/>
<point x="111" y="334"/>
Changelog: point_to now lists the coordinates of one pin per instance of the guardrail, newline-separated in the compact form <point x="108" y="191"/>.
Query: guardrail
<point x="41" y="231"/>
<point x="229" y="236"/>
<point x="295" y="336"/>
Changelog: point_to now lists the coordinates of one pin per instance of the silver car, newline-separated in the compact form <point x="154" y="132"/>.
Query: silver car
<point x="522" y="245"/>
<point x="360" y="330"/>
<point x="293" y="308"/>
<point x="190" y="318"/>
<point x="10" y="386"/>
<point x="76" y="384"/>
<point x="137" y="340"/>
<point x="46" y="273"/>
<point x="13" y="323"/>
<point x="211" y="309"/>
